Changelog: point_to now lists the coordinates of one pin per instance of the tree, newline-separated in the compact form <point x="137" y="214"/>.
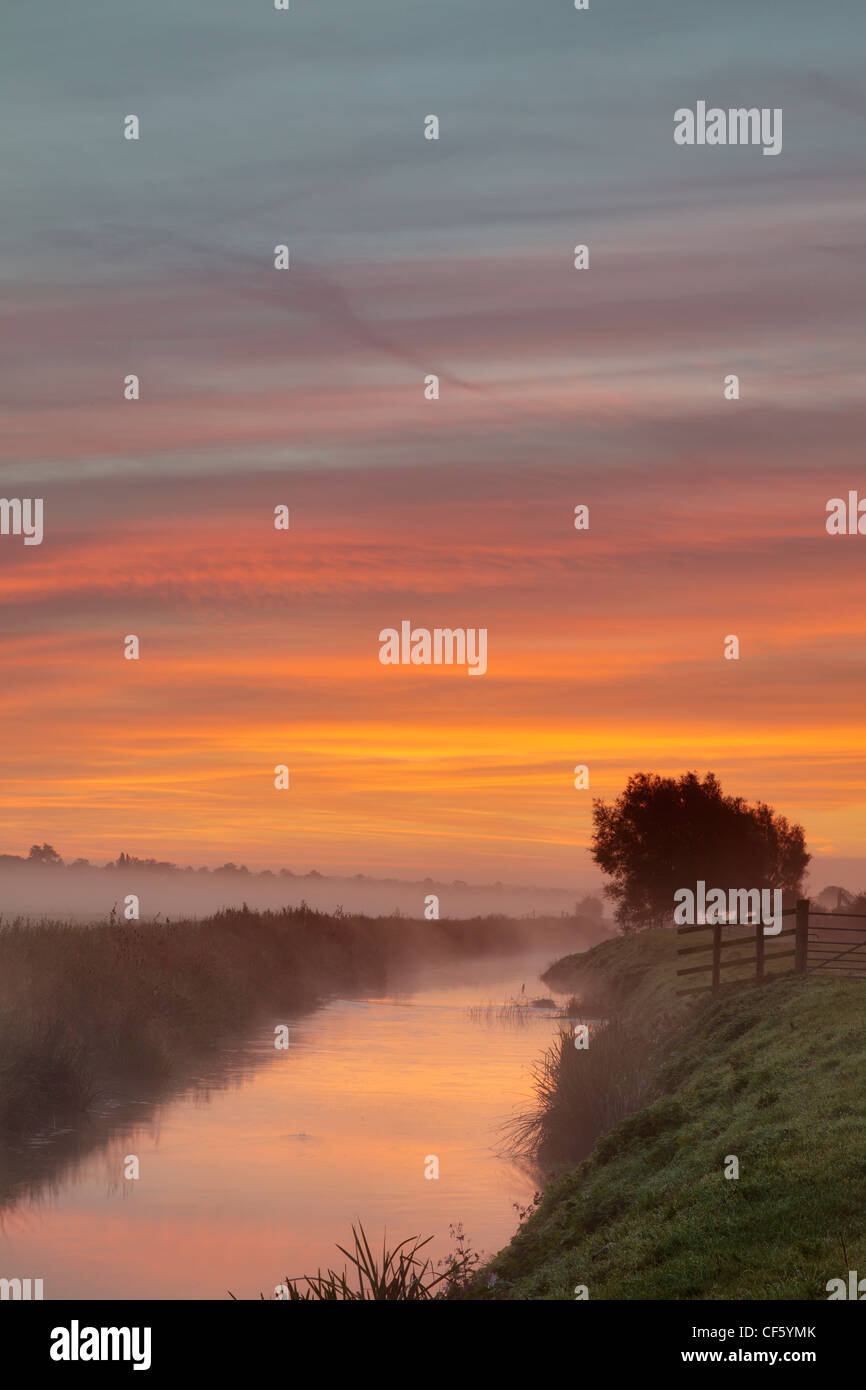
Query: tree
<point x="590" y="906"/>
<point x="665" y="833"/>
<point x="44" y="854"/>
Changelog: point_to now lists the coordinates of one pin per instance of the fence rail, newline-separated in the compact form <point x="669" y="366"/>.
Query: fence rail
<point x="814" y="950"/>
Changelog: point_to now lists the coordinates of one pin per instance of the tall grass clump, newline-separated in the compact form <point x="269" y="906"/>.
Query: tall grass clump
<point x="400" y="1275"/>
<point x="581" y="1093"/>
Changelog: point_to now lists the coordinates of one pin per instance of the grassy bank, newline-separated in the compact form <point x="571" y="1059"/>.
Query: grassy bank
<point x="772" y="1075"/>
<point x="89" y="1014"/>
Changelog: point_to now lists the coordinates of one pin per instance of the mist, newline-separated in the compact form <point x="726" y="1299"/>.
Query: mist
<point x="86" y="892"/>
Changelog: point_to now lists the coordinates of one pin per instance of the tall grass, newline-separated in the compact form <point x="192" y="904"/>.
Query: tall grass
<point x="401" y="1275"/>
<point x="88" y="1013"/>
<point x="581" y="1093"/>
<point x="518" y="1012"/>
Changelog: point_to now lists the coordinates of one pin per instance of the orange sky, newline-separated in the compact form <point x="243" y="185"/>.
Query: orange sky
<point x="261" y="647"/>
<point x="605" y="647"/>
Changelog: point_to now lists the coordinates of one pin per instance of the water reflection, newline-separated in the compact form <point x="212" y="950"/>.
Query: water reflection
<point x="264" y="1163"/>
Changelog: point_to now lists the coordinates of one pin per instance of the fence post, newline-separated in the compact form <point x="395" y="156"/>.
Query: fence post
<point x="759" y="950"/>
<point x="801" y="936"/>
<point x="717" y="955"/>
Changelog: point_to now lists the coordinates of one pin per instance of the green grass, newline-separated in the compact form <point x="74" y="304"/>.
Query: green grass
<point x="772" y="1074"/>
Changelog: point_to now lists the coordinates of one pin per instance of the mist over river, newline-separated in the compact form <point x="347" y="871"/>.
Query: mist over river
<point x="253" y="1174"/>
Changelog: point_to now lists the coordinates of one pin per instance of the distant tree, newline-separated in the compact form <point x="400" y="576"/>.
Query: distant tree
<point x="44" y="854"/>
<point x="665" y="833"/>
<point x="131" y="861"/>
<point x="591" y="907"/>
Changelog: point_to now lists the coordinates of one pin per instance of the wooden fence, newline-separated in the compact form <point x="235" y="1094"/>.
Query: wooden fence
<point x="830" y="948"/>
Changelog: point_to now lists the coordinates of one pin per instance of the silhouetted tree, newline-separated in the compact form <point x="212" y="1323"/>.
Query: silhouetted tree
<point x="591" y="907"/>
<point x="44" y="854"/>
<point x="665" y="833"/>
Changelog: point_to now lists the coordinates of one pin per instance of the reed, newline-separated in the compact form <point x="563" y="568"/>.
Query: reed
<point x="581" y="1093"/>
<point x="399" y="1275"/>
<point x="87" y="1013"/>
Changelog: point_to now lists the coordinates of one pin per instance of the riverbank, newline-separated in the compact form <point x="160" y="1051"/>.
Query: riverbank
<point x="100" y="1012"/>
<point x="771" y="1076"/>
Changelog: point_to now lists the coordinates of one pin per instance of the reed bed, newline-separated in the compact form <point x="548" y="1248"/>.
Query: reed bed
<point x="581" y="1093"/>
<point x="93" y="1012"/>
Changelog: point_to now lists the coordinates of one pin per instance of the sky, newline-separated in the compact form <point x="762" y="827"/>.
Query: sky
<point x="305" y="388"/>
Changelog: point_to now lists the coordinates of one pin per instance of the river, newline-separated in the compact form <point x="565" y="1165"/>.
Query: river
<point x="254" y="1177"/>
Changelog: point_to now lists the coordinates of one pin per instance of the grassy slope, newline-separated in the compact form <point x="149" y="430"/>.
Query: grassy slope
<point x="775" y="1075"/>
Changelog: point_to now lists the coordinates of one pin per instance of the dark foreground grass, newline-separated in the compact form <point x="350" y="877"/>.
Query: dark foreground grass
<point x="89" y="1013"/>
<point x="773" y="1075"/>
<point x="399" y="1275"/>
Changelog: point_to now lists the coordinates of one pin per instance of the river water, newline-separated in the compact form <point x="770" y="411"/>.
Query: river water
<point x="255" y="1176"/>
